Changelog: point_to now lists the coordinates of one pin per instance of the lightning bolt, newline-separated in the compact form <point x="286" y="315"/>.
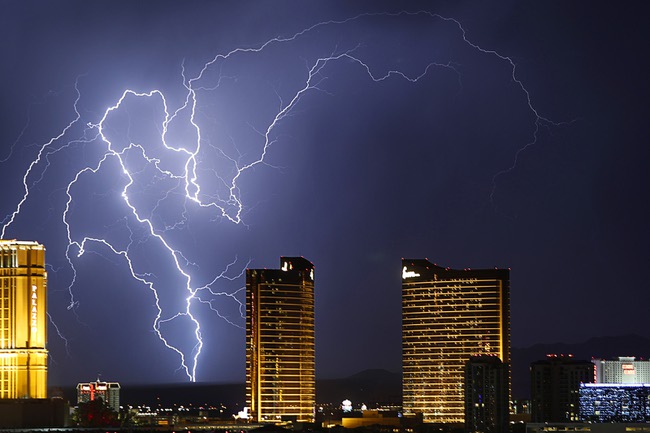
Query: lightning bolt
<point x="60" y="334"/>
<point x="184" y="171"/>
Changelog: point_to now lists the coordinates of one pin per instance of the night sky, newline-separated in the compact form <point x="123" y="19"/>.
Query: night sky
<point x="448" y="157"/>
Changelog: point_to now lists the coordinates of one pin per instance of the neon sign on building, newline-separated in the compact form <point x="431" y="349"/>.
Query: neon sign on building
<point x="34" y="310"/>
<point x="408" y="274"/>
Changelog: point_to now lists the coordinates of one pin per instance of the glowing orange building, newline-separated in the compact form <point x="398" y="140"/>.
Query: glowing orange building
<point x="280" y="351"/>
<point x="23" y="332"/>
<point x="448" y="316"/>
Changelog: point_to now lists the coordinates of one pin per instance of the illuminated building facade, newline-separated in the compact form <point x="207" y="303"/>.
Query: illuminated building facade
<point x="486" y="395"/>
<point x="587" y="427"/>
<point x="555" y="387"/>
<point x="280" y="351"/>
<point x="615" y="402"/>
<point x="109" y="392"/>
<point x="23" y="331"/>
<point x="448" y="316"/>
<point x="626" y="369"/>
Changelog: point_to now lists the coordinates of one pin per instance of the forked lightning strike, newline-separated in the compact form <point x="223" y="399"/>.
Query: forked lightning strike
<point x="229" y="208"/>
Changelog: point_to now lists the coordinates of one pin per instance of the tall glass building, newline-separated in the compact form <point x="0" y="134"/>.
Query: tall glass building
<point x="23" y="331"/>
<point x="280" y="351"/>
<point x="448" y="316"/>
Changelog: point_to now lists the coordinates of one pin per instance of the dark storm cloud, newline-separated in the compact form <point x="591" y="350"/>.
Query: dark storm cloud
<point x="361" y="174"/>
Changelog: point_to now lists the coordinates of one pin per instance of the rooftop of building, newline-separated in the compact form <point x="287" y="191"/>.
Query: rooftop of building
<point x="424" y="269"/>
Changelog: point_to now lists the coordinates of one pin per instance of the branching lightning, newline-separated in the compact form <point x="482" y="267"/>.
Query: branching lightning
<point x="230" y="207"/>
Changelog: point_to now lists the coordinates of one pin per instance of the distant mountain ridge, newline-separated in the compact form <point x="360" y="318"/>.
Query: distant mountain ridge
<point x="368" y="386"/>
<point x="374" y="385"/>
<point x="232" y="395"/>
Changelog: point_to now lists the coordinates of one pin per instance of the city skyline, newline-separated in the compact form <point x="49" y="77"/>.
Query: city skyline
<point x="507" y="136"/>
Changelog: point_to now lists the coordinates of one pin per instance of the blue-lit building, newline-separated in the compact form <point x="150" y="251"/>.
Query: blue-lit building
<point x="615" y="402"/>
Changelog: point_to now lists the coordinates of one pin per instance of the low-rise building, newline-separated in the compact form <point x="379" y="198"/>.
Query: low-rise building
<point x="615" y="402"/>
<point x="109" y="392"/>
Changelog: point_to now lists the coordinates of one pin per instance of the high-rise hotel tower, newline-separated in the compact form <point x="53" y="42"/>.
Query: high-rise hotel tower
<point x="23" y="333"/>
<point x="448" y="316"/>
<point x="280" y="352"/>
